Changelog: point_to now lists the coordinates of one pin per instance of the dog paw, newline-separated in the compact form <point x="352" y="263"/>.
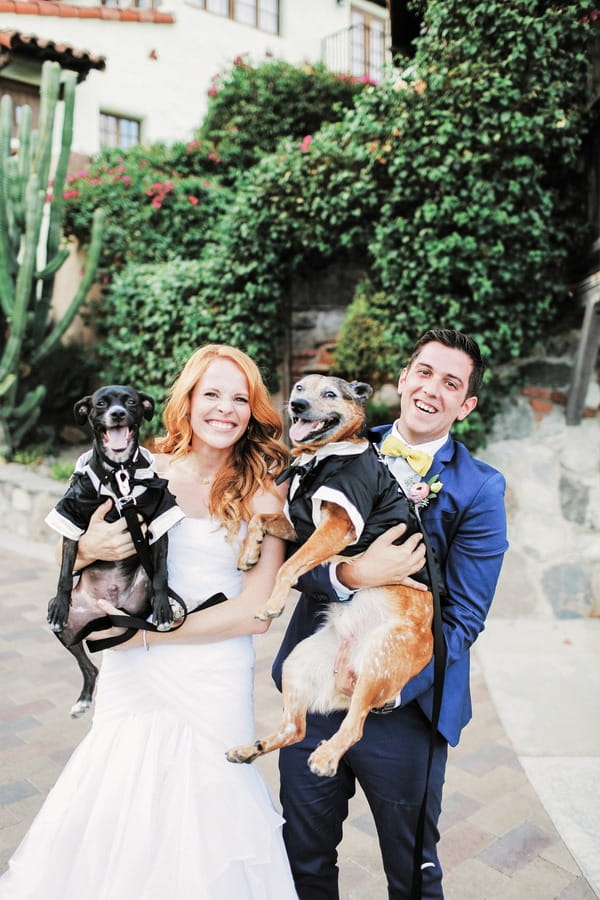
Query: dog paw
<point x="247" y="561"/>
<point x="57" y="616"/>
<point x="247" y="753"/>
<point x="265" y="615"/>
<point x="177" y="611"/>
<point x="323" y="762"/>
<point x="78" y="709"/>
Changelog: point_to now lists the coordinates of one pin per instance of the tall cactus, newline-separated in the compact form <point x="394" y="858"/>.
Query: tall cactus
<point x="31" y="252"/>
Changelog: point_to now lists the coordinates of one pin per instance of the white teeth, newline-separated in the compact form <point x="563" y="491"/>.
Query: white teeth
<point x="222" y="426"/>
<point x="423" y="407"/>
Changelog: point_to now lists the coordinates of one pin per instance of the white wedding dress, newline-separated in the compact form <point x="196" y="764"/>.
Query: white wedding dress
<point x="148" y="807"/>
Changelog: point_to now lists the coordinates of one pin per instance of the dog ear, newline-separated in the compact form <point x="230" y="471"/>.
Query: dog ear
<point x="147" y="404"/>
<point x="81" y="410"/>
<point x="360" y="390"/>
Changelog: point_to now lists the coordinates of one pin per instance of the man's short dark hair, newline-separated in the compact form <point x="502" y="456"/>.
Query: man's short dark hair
<point x="457" y="340"/>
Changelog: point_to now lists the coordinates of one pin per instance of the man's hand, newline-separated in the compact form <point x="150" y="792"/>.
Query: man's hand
<point x="385" y="562"/>
<point x="110" y="541"/>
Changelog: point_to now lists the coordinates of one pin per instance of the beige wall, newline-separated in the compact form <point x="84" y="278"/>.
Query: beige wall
<point x="161" y="73"/>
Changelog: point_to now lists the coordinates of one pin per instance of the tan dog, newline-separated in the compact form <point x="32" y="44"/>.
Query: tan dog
<point x="383" y="635"/>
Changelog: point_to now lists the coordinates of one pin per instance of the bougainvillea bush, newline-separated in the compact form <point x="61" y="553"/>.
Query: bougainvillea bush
<point x="253" y="106"/>
<point x="161" y="202"/>
<point x="456" y="185"/>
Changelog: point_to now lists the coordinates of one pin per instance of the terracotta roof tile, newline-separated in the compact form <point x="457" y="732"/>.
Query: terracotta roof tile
<point x="71" y="57"/>
<point x="52" y="8"/>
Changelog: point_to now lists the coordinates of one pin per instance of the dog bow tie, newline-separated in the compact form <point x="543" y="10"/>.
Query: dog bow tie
<point x="418" y="460"/>
<point x="296" y="469"/>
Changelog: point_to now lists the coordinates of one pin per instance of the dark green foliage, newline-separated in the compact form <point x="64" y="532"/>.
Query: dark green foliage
<point x="160" y="203"/>
<point x="456" y="185"/>
<point x="149" y="322"/>
<point x="457" y="181"/>
<point x="253" y="107"/>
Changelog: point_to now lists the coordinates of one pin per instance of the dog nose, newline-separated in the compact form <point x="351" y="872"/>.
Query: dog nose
<point x="117" y="414"/>
<point x="299" y="406"/>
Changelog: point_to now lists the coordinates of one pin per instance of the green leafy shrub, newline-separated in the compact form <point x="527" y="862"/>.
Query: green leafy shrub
<point x="149" y="322"/>
<point x="364" y="351"/>
<point x="457" y="183"/>
<point x="159" y="202"/>
<point x="252" y="107"/>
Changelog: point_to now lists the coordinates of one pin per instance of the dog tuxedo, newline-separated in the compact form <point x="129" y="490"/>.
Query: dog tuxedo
<point x="92" y="485"/>
<point x="358" y="480"/>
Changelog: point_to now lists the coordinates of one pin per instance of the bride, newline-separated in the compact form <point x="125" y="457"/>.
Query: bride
<point x="148" y="806"/>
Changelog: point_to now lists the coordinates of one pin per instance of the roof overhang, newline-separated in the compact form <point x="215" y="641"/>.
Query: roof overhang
<point x="22" y="55"/>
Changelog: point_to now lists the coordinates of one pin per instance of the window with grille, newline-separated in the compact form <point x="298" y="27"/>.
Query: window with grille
<point x="261" y="14"/>
<point x="119" y="131"/>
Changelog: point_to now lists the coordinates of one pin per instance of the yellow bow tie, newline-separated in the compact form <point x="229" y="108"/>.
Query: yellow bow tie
<point x="419" y="461"/>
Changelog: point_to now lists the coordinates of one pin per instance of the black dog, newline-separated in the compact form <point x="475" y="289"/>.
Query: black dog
<point x="115" y="467"/>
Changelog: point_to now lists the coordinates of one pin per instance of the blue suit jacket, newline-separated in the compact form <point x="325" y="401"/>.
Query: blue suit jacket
<point x="466" y="526"/>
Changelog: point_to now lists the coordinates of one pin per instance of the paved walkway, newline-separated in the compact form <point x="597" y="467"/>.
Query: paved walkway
<point x="521" y="814"/>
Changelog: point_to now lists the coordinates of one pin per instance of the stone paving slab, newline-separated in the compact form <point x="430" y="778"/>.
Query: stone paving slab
<point x="498" y="842"/>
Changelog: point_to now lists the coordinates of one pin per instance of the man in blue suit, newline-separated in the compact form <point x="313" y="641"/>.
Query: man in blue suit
<point x="466" y="525"/>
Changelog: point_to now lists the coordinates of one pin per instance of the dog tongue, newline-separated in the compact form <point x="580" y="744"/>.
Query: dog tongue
<point x="300" y="429"/>
<point x="117" y="438"/>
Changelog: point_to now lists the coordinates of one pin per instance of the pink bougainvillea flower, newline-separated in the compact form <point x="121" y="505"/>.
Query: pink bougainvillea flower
<point x="306" y="142"/>
<point x="193" y="200"/>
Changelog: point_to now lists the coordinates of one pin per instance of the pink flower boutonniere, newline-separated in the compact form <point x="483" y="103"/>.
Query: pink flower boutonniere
<point x="423" y="492"/>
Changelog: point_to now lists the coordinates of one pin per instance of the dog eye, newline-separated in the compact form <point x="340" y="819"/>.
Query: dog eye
<point x="298" y="388"/>
<point x="130" y="401"/>
<point x="330" y="395"/>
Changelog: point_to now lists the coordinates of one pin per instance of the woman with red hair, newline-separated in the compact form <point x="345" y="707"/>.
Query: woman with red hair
<point x="148" y="805"/>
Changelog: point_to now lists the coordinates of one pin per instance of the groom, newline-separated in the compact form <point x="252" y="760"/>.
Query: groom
<point x="466" y="525"/>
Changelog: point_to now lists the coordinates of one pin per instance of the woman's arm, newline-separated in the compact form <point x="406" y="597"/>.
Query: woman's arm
<point x="236" y="616"/>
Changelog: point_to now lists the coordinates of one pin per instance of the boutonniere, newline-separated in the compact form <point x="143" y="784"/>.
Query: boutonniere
<point x="423" y="492"/>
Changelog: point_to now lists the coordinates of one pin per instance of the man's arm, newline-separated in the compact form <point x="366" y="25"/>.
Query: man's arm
<point x="471" y="570"/>
<point x="383" y="563"/>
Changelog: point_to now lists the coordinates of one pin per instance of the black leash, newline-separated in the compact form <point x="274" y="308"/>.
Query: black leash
<point x="439" y="668"/>
<point x="127" y="507"/>
<point x="133" y="624"/>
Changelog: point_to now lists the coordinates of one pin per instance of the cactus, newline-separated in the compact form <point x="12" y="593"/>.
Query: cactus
<point x="31" y="252"/>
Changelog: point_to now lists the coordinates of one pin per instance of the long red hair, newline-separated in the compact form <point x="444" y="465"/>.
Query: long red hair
<point x="256" y="458"/>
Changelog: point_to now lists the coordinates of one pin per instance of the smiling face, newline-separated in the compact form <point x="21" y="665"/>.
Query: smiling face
<point x="323" y="409"/>
<point x="220" y="406"/>
<point x="434" y="393"/>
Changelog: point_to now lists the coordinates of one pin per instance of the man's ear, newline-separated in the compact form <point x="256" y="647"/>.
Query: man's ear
<point x="467" y="407"/>
<point x="402" y="379"/>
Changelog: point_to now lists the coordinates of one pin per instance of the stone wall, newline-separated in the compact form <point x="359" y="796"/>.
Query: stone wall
<point x="26" y="497"/>
<point x="552" y="473"/>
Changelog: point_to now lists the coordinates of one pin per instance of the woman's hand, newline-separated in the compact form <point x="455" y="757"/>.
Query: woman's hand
<point x="107" y="607"/>
<point x="385" y="562"/>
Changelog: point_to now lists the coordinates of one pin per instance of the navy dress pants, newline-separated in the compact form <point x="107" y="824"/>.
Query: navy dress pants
<point x="390" y="764"/>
